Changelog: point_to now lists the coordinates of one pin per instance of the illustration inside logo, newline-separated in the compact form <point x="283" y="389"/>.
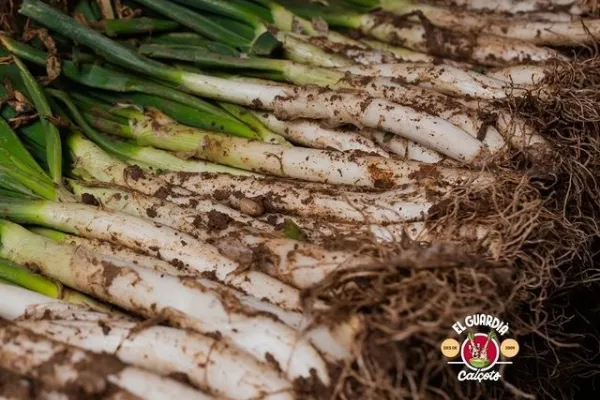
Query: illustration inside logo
<point x="480" y="351"/>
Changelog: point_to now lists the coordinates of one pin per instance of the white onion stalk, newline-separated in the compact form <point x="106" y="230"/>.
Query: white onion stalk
<point x="425" y="99"/>
<point x="308" y="164"/>
<point x="518" y="6"/>
<point x="90" y="159"/>
<point x="302" y="163"/>
<point x="330" y="234"/>
<point x="403" y="148"/>
<point x="146" y="261"/>
<point x="360" y="55"/>
<point x="29" y="306"/>
<point x="298" y="48"/>
<point x="309" y="50"/>
<point x="187" y="199"/>
<point x="548" y="16"/>
<point x="376" y="86"/>
<point x="208" y="363"/>
<point x="329" y="45"/>
<point x="17" y="302"/>
<point x="520" y="74"/>
<point x="206" y="228"/>
<point x="322" y="52"/>
<point x="334" y="342"/>
<point x="335" y="50"/>
<point x="421" y="232"/>
<point x="289" y="198"/>
<point x="451" y="80"/>
<point x="192" y="256"/>
<point x="223" y="179"/>
<point x="312" y="134"/>
<point x="438" y="104"/>
<point x="446" y="79"/>
<point x="406" y="55"/>
<point x="102" y="167"/>
<point x="359" y="51"/>
<point x="109" y="249"/>
<point x="555" y="33"/>
<point x="523" y="136"/>
<point x="300" y="264"/>
<point x="428" y="102"/>
<point x="515" y="130"/>
<point x="188" y="304"/>
<point x="401" y="53"/>
<point x="288" y="23"/>
<point x="483" y="49"/>
<point x="211" y="364"/>
<point x="95" y="163"/>
<point x="305" y="102"/>
<point x="80" y="371"/>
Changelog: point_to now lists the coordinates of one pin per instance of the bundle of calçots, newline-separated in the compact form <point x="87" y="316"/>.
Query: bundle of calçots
<point x="197" y="186"/>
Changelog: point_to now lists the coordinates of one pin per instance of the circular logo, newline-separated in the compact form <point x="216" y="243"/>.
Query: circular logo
<point x="509" y="348"/>
<point x="450" y="348"/>
<point x="480" y="351"/>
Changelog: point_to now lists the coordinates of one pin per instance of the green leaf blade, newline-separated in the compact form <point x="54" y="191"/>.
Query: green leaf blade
<point x="53" y="144"/>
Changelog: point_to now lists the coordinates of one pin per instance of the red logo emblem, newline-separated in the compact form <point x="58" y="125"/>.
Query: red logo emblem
<point x="480" y="351"/>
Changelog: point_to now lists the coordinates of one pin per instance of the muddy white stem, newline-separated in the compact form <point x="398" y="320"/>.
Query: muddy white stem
<point x="190" y="304"/>
<point x="74" y="369"/>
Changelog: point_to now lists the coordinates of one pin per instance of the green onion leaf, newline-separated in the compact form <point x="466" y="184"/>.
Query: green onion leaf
<point x="53" y="145"/>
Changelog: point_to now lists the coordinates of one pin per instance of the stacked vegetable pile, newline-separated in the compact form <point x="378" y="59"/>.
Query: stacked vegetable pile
<point x="246" y="199"/>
